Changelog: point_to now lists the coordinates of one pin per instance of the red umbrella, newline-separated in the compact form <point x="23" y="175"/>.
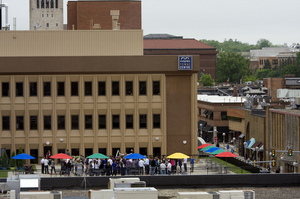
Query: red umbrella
<point x="203" y="146"/>
<point x="226" y="154"/>
<point x="61" y="156"/>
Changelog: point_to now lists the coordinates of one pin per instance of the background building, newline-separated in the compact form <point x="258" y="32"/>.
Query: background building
<point x="46" y="14"/>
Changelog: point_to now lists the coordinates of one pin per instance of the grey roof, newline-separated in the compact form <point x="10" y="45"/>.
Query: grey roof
<point x="162" y="36"/>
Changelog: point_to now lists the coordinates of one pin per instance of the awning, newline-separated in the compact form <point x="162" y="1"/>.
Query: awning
<point x="207" y="128"/>
<point x="242" y="136"/>
<point x="256" y="144"/>
<point x="222" y="129"/>
<point x="202" y="122"/>
<point x="205" y="112"/>
<point x="209" y="112"/>
<point x="251" y="142"/>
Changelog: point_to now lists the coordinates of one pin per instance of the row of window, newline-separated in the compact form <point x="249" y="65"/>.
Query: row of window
<point x="88" y="122"/>
<point x="210" y="114"/>
<point x="88" y="89"/>
<point x="46" y="3"/>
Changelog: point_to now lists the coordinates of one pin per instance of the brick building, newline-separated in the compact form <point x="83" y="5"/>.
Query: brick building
<point x="104" y="15"/>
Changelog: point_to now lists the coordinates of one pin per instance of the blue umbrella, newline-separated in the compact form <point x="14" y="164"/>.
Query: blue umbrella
<point x="23" y="156"/>
<point x="212" y="149"/>
<point x="135" y="156"/>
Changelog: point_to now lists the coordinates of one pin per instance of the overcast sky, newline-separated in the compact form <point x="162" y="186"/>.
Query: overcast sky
<point x="244" y="20"/>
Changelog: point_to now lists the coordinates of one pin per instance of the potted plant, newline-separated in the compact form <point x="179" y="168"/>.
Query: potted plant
<point x="4" y="161"/>
<point x="20" y="163"/>
<point x="12" y="161"/>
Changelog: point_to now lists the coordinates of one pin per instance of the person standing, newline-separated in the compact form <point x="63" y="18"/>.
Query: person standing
<point x="42" y="163"/>
<point x="147" y="166"/>
<point x="46" y="161"/>
<point x="141" y="166"/>
<point x="169" y="168"/>
<point x="68" y="153"/>
<point x="185" y="164"/>
<point x="114" y="168"/>
<point x="163" y="168"/>
<point x="192" y="162"/>
<point x="52" y="166"/>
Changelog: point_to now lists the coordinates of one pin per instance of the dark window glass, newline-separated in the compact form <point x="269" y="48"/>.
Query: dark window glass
<point x="115" y="88"/>
<point x="129" y="121"/>
<point x="129" y="88"/>
<point x="47" y="122"/>
<point x="102" y="121"/>
<point x="19" y="123"/>
<point x="156" y="121"/>
<point x="33" y="122"/>
<point x="143" y="121"/>
<point x="199" y="109"/>
<point x="5" y="89"/>
<point x="75" y="122"/>
<point x="143" y="88"/>
<point x="87" y="88"/>
<point x="60" y="88"/>
<point x="56" y="3"/>
<point x="5" y="123"/>
<point x="60" y="122"/>
<point x="224" y="115"/>
<point x="33" y="88"/>
<point x="47" y="88"/>
<point x="37" y="3"/>
<point x="156" y="88"/>
<point x="52" y="3"/>
<point x="19" y="89"/>
<point x="47" y="3"/>
<point x="88" y="122"/>
<point x="74" y="88"/>
<point x="101" y="88"/>
<point x="42" y="4"/>
<point x="115" y="121"/>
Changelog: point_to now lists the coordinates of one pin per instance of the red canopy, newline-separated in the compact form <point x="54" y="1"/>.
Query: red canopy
<point x="226" y="154"/>
<point x="203" y="146"/>
<point x="61" y="156"/>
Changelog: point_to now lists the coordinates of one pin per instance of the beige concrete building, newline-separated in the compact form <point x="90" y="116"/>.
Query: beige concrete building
<point x="46" y="15"/>
<point x="97" y="103"/>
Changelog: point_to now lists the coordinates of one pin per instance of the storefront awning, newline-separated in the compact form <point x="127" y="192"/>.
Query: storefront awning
<point x="256" y="144"/>
<point x="251" y="142"/>
<point x="202" y="122"/>
<point x="207" y="128"/>
<point x="242" y="136"/>
<point x="223" y="129"/>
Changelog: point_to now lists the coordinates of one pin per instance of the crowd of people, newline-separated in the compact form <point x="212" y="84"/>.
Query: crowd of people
<point x="118" y="166"/>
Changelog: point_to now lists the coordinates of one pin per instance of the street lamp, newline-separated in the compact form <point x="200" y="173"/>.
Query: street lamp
<point x="233" y="143"/>
<point x="256" y="149"/>
<point x="201" y="125"/>
<point x="295" y="164"/>
<point x="224" y="139"/>
<point x="245" y="144"/>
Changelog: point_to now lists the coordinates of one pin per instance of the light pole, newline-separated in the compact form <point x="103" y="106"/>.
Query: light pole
<point x="233" y="143"/>
<point x="295" y="164"/>
<point x="245" y="144"/>
<point x="256" y="149"/>
<point x="201" y="125"/>
<point x="224" y="140"/>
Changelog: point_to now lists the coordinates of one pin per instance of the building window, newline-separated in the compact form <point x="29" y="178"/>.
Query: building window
<point x="5" y="123"/>
<point x="102" y="121"/>
<point x="74" y="122"/>
<point x="56" y="3"/>
<point x="274" y="61"/>
<point x="47" y="3"/>
<point x="19" y="89"/>
<point x="143" y="88"/>
<point x="115" y="88"/>
<point x="88" y="88"/>
<point x="37" y="3"/>
<point x="129" y="121"/>
<point x="74" y="88"/>
<point x="47" y="16"/>
<point x="101" y="89"/>
<point x="51" y="15"/>
<point x="42" y="15"/>
<point x="47" y="25"/>
<point x="88" y="122"/>
<point x="143" y="121"/>
<point x="5" y="89"/>
<point x="33" y="88"/>
<point x="116" y="121"/>
<point x="19" y="123"/>
<point x="60" y="88"/>
<point x="156" y="87"/>
<point x="47" y="88"/>
<point x="129" y="88"/>
<point x="224" y="115"/>
<point x="33" y="122"/>
<point x="52" y="4"/>
<point x="47" y="122"/>
<point x="199" y="113"/>
<point x="42" y="4"/>
<point x="60" y="122"/>
<point x="156" y="121"/>
<point x="56" y="24"/>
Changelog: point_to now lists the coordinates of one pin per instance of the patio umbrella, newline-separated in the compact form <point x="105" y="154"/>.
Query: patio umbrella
<point x="135" y="156"/>
<point x="212" y="149"/>
<point x="203" y="146"/>
<point x="61" y="156"/>
<point x="226" y="154"/>
<point x="178" y="156"/>
<point x="208" y="147"/>
<point x="217" y="152"/>
<point x="23" y="156"/>
<point x="98" y="156"/>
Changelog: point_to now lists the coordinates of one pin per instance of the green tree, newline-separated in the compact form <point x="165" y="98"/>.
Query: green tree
<point x="232" y="66"/>
<point x="4" y="160"/>
<point x="263" y="43"/>
<point x="267" y="64"/>
<point x="263" y="73"/>
<point x="12" y="162"/>
<point x="20" y="163"/>
<point x="206" y="80"/>
<point x="298" y="59"/>
<point x="251" y="78"/>
<point x="290" y="69"/>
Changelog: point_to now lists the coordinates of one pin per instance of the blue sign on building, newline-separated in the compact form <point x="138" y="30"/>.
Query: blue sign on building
<point x="185" y="62"/>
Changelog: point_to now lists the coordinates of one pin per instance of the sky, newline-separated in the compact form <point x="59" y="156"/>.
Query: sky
<point x="242" y="20"/>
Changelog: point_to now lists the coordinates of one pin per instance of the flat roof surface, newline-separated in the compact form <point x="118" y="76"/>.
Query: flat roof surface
<point x="220" y="99"/>
<point x="175" y="44"/>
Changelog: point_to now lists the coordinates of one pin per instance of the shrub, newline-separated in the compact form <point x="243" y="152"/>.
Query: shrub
<point x="20" y="163"/>
<point x="4" y="160"/>
<point x="12" y="161"/>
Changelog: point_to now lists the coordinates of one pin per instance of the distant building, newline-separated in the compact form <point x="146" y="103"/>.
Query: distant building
<point x="46" y="14"/>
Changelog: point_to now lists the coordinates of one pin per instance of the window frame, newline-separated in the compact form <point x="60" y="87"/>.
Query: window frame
<point x="129" y="124"/>
<point x="155" y="90"/>
<point x="156" y="125"/>
<point x="144" y="124"/>
<point x="61" y="122"/>
<point x="33" y="125"/>
<point x="115" y="125"/>
<point x="47" y="118"/>
<point x="142" y="87"/>
<point x="101" y="121"/>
